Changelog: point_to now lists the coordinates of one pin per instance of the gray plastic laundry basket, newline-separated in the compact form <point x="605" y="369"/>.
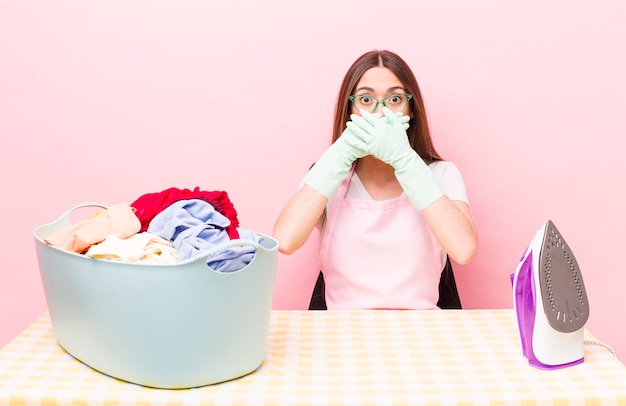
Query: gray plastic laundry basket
<point x="163" y="326"/>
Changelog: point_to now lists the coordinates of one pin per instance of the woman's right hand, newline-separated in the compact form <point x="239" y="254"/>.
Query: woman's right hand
<point x="350" y="146"/>
<point x="298" y="218"/>
<point x="335" y="163"/>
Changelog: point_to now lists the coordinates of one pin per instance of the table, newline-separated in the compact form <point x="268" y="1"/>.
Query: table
<point x="450" y="357"/>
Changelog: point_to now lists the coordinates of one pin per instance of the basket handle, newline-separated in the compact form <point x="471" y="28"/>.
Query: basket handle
<point x="86" y="204"/>
<point x="229" y="244"/>
<point x="66" y="216"/>
<point x="82" y="205"/>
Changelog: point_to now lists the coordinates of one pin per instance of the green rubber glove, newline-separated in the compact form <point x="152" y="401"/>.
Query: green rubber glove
<point x="387" y="140"/>
<point x="335" y="163"/>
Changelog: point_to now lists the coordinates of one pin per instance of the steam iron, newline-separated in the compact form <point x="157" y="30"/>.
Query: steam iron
<point x="550" y="302"/>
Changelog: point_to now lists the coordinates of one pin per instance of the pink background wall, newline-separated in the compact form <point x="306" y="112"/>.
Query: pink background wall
<point x="108" y="100"/>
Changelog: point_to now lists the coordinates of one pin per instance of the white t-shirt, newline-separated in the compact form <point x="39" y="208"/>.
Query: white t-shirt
<point x="445" y="172"/>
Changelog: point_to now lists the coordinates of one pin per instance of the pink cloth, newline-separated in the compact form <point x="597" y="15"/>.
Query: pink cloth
<point x="378" y="254"/>
<point x="118" y="220"/>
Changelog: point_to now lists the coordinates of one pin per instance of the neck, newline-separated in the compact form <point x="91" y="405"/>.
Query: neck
<point x="374" y="170"/>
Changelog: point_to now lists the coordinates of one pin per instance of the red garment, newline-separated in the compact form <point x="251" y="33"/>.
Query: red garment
<point x="151" y="204"/>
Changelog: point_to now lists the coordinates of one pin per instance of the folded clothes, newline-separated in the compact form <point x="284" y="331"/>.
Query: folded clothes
<point x="118" y="220"/>
<point x="149" y="205"/>
<point x="144" y="248"/>
<point x="195" y="227"/>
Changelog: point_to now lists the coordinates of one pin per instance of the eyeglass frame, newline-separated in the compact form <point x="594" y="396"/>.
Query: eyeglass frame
<point x="379" y="101"/>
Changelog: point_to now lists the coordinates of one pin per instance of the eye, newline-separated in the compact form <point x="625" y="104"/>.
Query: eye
<point x="395" y="99"/>
<point x="365" y="99"/>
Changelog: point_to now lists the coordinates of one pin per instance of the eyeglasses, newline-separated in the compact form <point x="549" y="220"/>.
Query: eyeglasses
<point x="395" y="102"/>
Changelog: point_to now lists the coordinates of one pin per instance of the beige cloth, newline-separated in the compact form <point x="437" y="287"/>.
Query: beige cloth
<point x="119" y="220"/>
<point x="142" y="248"/>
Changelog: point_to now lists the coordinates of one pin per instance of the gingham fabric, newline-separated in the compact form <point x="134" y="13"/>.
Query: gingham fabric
<point x="448" y="357"/>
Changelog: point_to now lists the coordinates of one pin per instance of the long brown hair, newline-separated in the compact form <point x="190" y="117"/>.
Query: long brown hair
<point x="418" y="132"/>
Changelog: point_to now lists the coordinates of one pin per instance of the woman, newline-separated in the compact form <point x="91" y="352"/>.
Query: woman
<point x="388" y="207"/>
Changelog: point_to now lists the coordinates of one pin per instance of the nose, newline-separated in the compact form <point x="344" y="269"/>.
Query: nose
<point x="378" y="108"/>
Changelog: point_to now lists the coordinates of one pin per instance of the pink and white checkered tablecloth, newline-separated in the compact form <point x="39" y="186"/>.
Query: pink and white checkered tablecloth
<point x="449" y="357"/>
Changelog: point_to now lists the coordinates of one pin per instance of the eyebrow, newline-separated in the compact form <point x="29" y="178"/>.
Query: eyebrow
<point x="390" y="90"/>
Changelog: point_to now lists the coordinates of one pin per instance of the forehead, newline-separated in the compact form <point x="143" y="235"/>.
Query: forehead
<point x="379" y="78"/>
